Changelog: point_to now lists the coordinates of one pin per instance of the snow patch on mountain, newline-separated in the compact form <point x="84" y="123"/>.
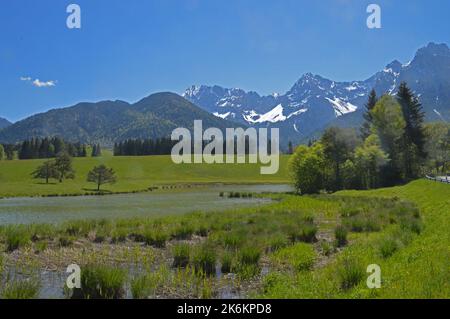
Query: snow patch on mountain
<point x="273" y="116"/>
<point x="341" y="107"/>
<point x="222" y="116"/>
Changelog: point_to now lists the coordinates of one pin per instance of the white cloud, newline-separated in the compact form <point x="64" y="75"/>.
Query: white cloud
<point x="38" y="83"/>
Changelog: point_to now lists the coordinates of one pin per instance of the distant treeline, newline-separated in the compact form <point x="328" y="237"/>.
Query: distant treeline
<point x="36" y="148"/>
<point x="138" y="147"/>
<point x="160" y="146"/>
<point x="49" y="147"/>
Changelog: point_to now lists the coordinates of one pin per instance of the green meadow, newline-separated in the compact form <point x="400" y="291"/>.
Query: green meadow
<point x="133" y="174"/>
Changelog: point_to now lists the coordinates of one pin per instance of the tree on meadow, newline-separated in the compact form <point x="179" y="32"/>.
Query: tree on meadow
<point x="389" y="125"/>
<point x="2" y="152"/>
<point x="101" y="175"/>
<point x="369" y="159"/>
<point x="63" y="165"/>
<point x="307" y="166"/>
<point x="46" y="171"/>
<point x="338" y="147"/>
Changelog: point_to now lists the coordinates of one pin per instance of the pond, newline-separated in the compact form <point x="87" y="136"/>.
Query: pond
<point x="152" y="204"/>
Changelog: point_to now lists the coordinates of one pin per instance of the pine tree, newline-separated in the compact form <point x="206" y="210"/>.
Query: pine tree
<point x="371" y="102"/>
<point x="414" y="135"/>
<point x="290" y="148"/>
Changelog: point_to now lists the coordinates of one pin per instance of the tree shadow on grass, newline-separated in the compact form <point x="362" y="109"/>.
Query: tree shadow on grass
<point x="44" y="183"/>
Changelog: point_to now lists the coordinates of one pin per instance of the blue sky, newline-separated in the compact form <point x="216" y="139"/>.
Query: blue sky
<point x="129" y="49"/>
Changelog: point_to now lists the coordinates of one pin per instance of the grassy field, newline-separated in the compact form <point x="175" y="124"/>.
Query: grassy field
<point x="297" y="247"/>
<point x="133" y="173"/>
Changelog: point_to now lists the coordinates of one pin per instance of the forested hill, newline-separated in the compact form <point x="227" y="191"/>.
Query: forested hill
<point x="107" y="122"/>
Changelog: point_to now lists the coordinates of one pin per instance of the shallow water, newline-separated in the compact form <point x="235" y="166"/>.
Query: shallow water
<point x="158" y="203"/>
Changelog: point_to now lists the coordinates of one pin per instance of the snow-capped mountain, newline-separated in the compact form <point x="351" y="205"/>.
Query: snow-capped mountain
<point x="314" y="102"/>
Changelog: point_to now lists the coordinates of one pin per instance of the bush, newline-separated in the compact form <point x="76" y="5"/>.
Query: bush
<point x="22" y="289"/>
<point x="101" y="282"/>
<point x="350" y="272"/>
<point x="205" y="260"/>
<point x="340" y="234"/>
<point x="181" y="255"/>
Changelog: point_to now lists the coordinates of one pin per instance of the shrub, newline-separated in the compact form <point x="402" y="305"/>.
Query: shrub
<point x="181" y="253"/>
<point x="350" y="272"/>
<point x="101" y="282"/>
<point x="21" y="289"/>
<point x="340" y="234"/>
<point x="205" y="260"/>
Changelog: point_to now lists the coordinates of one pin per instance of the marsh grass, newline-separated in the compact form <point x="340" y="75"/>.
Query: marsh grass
<point x="101" y="282"/>
<point x="350" y="272"/>
<point x="227" y="262"/>
<point x="204" y="259"/>
<point x="300" y="257"/>
<point x="155" y="237"/>
<point x="181" y="255"/>
<point x="249" y="255"/>
<point x="17" y="237"/>
<point x="21" y="289"/>
<point x="388" y="246"/>
<point x="340" y="235"/>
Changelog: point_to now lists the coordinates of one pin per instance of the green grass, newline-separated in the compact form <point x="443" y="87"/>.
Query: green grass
<point x="299" y="257"/>
<point x="133" y="174"/>
<point x="21" y="289"/>
<point x="416" y="267"/>
<point x="101" y="282"/>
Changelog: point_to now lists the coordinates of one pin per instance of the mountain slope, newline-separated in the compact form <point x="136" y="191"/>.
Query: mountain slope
<point x="314" y="102"/>
<point x="4" y="123"/>
<point x="109" y="121"/>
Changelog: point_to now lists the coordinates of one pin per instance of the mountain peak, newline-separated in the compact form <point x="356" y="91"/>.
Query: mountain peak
<point x="4" y="123"/>
<point x="434" y="49"/>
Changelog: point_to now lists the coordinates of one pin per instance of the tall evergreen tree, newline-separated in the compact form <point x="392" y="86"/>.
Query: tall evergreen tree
<point x="371" y="102"/>
<point x="414" y="138"/>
